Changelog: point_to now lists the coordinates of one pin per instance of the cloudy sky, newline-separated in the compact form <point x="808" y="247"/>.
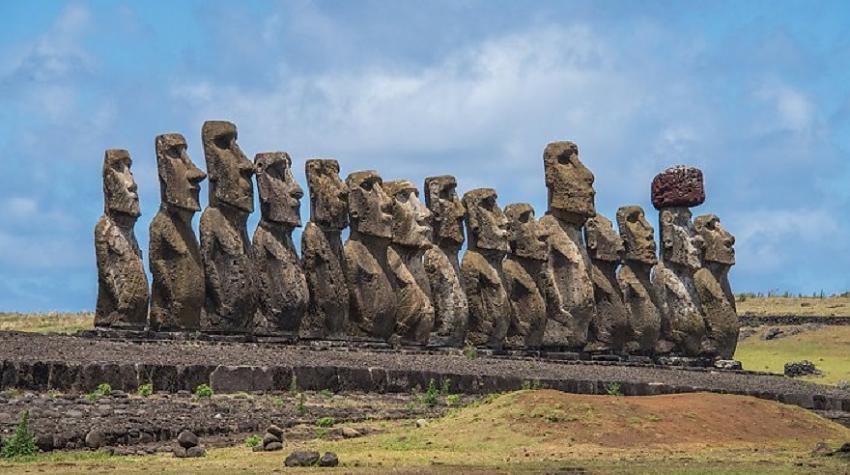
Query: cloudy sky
<point x="757" y="94"/>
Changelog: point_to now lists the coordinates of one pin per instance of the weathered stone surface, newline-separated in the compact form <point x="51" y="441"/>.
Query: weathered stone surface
<point x="231" y="298"/>
<point x="524" y="277"/>
<point x="282" y="287"/>
<point x="673" y="279"/>
<point x="122" y="291"/>
<point x="411" y="238"/>
<point x="610" y="329"/>
<point x="639" y="295"/>
<point x="187" y="439"/>
<point x="679" y="186"/>
<point x="712" y="283"/>
<point x="302" y="458"/>
<point x="329" y="459"/>
<point x="322" y="252"/>
<point x="177" y="293"/>
<point x="481" y="270"/>
<point x="372" y="291"/>
<point x="569" y="296"/>
<point x="195" y="452"/>
<point x="451" y="311"/>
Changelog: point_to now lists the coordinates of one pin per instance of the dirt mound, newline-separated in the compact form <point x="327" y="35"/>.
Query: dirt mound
<point x="716" y="420"/>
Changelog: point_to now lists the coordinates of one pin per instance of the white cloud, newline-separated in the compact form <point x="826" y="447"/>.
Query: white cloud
<point x="794" y="111"/>
<point x="19" y="207"/>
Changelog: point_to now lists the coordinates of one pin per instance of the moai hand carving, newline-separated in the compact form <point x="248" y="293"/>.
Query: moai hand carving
<point x="231" y="298"/>
<point x="282" y="287"/>
<point x="481" y="270"/>
<point x="321" y="252"/>
<point x="639" y="296"/>
<point x="569" y="299"/>
<point x="411" y="238"/>
<point x="177" y="294"/>
<point x="451" y="312"/>
<point x="122" y="291"/>
<point x="712" y="283"/>
<point x="681" y="247"/>
<point x="525" y="280"/>
<point x="372" y="291"/>
<point x="610" y="329"/>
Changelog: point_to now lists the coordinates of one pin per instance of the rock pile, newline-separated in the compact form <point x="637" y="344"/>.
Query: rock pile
<point x="188" y="445"/>
<point x="272" y="440"/>
<point x="797" y="369"/>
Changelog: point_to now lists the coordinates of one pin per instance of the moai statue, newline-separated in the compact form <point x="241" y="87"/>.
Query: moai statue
<point x="122" y="290"/>
<point x="569" y="300"/>
<point x="451" y="312"/>
<point x="481" y="270"/>
<point x="712" y="282"/>
<point x="321" y="252"/>
<point x="231" y="297"/>
<point x="372" y="291"/>
<point x="525" y="277"/>
<point x="610" y="329"/>
<point x="411" y="238"/>
<point x="673" y="192"/>
<point x="177" y="293"/>
<point x="281" y="285"/>
<point x="639" y="296"/>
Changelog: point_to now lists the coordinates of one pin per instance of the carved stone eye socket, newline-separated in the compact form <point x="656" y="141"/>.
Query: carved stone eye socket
<point x="223" y="141"/>
<point x="175" y="152"/>
<point x="564" y="159"/>
<point x="632" y="218"/>
<point x="525" y="217"/>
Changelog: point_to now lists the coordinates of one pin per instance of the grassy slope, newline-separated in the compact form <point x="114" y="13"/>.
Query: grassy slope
<point x="809" y="306"/>
<point x="46" y="322"/>
<point x="533" y="431"/>
<point x="828" y="348"/>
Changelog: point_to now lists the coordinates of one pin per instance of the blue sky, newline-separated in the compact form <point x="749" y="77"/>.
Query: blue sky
<point x="757" y="94"/>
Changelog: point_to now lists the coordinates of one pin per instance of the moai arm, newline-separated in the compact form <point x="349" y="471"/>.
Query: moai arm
<point x="167" y="241"/>
<point x="209" y="248"/>
<point x="105" y="248"/>
<point x="554" y="300"/>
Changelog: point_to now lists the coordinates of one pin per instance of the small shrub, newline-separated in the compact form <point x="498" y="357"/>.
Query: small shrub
<point x="22" y="441"/>
<point x="447" y="384"/>
<point x="301" y="406"/>
<point x="327" y="393"/>
<point x="430" y="396"/>
<point x="253" y="440"/>
<point x="145" y="390"/>
<point x="104" y="389"/>
<point x="325" y="421"/>
<point x="203" y="390"/>
<point x="452" y="400"/>
<point x="293" y="386"/>
<point x="613" y="389"/>
<point x="322" y="433"/>
<point x="278" y="402"/>
<point x="470" y="352"/>
<point x="532" y="385"/>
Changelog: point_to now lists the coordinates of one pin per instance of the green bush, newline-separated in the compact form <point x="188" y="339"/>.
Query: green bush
<point x="327" y="393"/>
<point x="145" y="390"/>
<point x="253" y="440"/>
<point x="22" y="441"/>
<point x="470" y="352"/>
<point x="613" y="389"/>
<point x="203" y="390"/>
<point x="452" y="400"/>
<point x="301" y="406"/>
<point x="325" y="421"/>
<point x="430" y="396"/>
<point x="103" y="389"/>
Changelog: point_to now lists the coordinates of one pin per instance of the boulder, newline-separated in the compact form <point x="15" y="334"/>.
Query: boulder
<point x="268" y="438"/>
<point x="196" y="451"/>
<point x="273" y="446"/>
<point x="275" y="430"/>
<point x="302" y="458"/>
<point x="329" y="460"/>
<point x="187" y="439"/>
<point x="350" y="432"/>
<point x="95" y="439"/>
<point x="800" y="368"/>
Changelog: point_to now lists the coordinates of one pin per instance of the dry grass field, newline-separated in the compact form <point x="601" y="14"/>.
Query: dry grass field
<point x="836" y="306"/>
<point x="539" y="431"/>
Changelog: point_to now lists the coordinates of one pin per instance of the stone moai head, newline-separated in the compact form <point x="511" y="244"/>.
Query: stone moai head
<point x="179" y="178"/>
<point x="719" y="243"/>
<point x="280" y="195"/>
<point x="447" y="210"/>
<point x="119" y="186"/>
<point x="526" y="236"/>
<point x="637" y="234"/>
<point x="679" y="242"/>
<point x="410" y="216"/>
<point x="603" y="243"/>
<point x="570" y="183"/>
<point x="369" y="207"/>
<point x="328" y="194"/>
<point x="230" y="170"/>
<point x="486" y="224"/>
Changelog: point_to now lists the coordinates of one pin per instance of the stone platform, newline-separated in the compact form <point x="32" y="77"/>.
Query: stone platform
<point x="72" y="363"/>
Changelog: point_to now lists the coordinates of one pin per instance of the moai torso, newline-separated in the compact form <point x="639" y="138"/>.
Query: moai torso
<point x="609" y="329"/>
<point x="322" y="252"/>
<point x="177" y="294"/>
<point x="122" y="292"/>
<point x="639" y="296"/>
<point x="712" y="283"/>
<point x="524" y="278"/>
<point x="281" y="285"/>
<point x="371" y="289"/>
<point x="230" y="277"/>
<point x="481" y="270"/>
<point x="673" y="279"/>
<point x="569" y="298"/>
<point x="411" y="237"/>
<point x="440" y="262"/>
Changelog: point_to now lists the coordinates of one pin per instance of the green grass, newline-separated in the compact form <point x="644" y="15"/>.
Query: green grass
<point x="828" y="348"/>
<point x="52" y="322"/>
